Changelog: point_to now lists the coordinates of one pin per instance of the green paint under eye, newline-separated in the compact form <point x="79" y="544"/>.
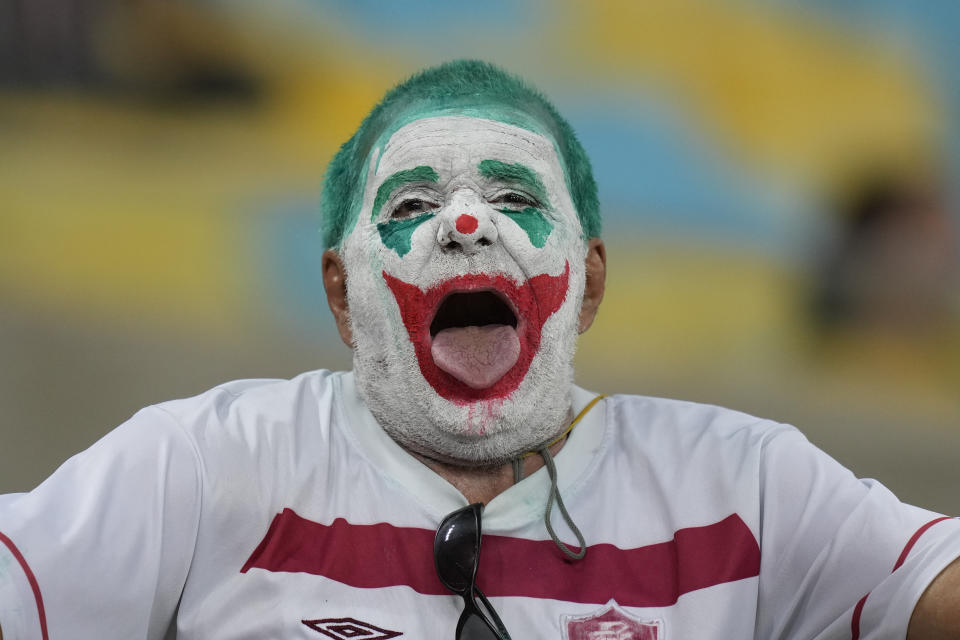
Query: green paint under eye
<point x="518" y="174"/>
<point x="417" y="174"/>
<point x="533" y="222"/>
<point x="397" y="234"/>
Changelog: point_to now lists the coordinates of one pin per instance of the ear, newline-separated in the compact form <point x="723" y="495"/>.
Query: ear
<point x="596" y="270"/>
<point x="335" y="283"/>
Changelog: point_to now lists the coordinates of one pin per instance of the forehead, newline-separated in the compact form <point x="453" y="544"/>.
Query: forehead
<point x="454" y="144"/>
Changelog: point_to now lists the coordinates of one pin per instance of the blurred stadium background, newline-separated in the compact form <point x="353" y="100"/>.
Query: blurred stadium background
<point x="779" y="182"/>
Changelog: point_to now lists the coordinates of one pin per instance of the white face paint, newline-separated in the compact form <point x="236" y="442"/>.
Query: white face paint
<point x="464" y="285"/>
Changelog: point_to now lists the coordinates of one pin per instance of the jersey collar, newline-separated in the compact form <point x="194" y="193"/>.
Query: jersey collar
<point x="514" y="508"/>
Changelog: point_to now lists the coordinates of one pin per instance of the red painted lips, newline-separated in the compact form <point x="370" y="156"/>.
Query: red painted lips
<point x="532" y="302"/>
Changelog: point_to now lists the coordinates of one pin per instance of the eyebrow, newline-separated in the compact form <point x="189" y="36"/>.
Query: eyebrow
<point x="517" y="174"/>
<point x="422" y="173"/>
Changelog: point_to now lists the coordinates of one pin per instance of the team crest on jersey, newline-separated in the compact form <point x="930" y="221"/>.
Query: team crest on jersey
<point x="610" y="623"/>
<point x="350" y="629"/>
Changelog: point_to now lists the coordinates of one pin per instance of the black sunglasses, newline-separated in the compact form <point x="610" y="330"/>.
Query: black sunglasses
<point x="456" y="555"/>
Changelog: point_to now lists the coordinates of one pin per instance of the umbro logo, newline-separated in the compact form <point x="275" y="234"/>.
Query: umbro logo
<point x="350" y="629"/>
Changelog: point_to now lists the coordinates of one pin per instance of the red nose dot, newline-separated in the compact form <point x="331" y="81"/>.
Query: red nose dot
<point x="466" y="224"/>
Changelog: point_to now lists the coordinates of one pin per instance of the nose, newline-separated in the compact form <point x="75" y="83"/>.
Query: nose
<point x="466" y="225"/>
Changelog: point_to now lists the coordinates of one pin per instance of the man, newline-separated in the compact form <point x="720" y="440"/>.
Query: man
<point x="464" y="258"/>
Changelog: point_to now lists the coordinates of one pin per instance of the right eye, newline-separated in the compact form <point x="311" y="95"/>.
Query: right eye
<point x="515" y="198"/>
<point x="413" y="206"/>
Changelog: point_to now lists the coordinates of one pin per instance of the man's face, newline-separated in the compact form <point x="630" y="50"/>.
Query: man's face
<point x="465" y="273"/>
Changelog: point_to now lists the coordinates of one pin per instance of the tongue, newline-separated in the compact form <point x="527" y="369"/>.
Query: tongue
<point x="476" y="356"/>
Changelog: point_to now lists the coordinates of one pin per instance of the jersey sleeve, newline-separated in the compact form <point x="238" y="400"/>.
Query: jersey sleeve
<point x="102" y="548"/>
<point x="840" y="557"/>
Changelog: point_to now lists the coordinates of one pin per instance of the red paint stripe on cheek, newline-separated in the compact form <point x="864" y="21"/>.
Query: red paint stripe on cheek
<point x="549" y="292"/>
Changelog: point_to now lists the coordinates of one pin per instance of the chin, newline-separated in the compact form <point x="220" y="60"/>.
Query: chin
<point x="482" y="432"/>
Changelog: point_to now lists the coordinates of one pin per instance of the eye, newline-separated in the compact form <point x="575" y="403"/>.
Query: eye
<point x="413" y="206"/>
<point x="515" y="199"/>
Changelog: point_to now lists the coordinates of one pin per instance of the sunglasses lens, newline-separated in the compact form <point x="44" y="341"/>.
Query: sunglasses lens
<point x="456" y="547"/>
<point x="473" y="627"/>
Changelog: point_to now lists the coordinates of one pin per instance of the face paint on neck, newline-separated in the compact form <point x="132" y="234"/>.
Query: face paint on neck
<point x="468" y="232"/>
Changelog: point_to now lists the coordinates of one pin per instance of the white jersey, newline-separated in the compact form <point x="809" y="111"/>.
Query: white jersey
<point x="280" y="509"/>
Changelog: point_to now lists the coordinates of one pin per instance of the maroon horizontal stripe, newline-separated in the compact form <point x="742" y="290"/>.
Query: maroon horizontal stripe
<point x="381" y="555"/>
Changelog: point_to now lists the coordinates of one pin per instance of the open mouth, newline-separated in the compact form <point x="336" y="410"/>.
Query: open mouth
<point x="475" y="335"/>
<point x="472" y="309"/>
<point x="474" y="338"/>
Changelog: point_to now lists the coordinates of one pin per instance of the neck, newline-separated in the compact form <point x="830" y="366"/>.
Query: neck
<point x="483" y="484"/>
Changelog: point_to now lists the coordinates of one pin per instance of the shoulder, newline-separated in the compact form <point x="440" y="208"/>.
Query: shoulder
<point x="243" y="425"/>
<point x="254" y="404"/>
<point x="661" y="421"/>
<point x="697" y="462"/>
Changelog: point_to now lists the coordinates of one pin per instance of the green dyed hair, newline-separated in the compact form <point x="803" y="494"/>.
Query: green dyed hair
<point x="468" y="87"/>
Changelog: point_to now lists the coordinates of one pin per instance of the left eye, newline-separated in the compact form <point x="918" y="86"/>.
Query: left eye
<point x="412" y="206"/>
<point x="514" y="198"/>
